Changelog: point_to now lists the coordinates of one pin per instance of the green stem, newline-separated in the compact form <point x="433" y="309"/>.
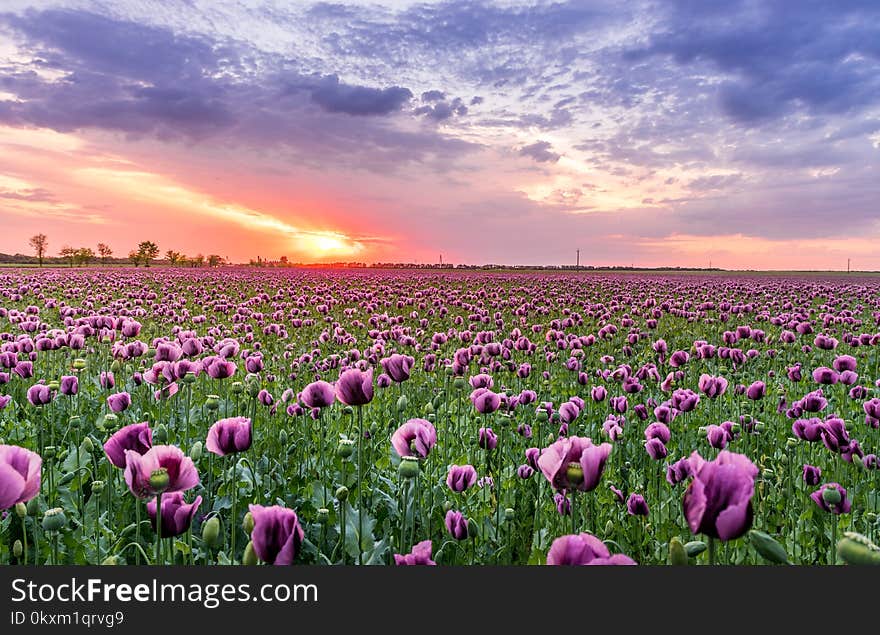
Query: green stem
<point x="158" y="527"/>
<point x="360" y="485"/>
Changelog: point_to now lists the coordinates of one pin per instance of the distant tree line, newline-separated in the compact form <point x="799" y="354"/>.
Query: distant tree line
<point x="147" y="253"/>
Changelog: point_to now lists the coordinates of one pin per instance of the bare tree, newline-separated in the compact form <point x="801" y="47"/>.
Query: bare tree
<point x="39" y="242"/>
<point x="105" y="252"/>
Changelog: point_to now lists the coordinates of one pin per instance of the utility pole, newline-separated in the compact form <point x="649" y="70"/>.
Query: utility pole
<point x="578" y="265"/>
<point x="847" y="265"/>
<point x="441" y="260"/>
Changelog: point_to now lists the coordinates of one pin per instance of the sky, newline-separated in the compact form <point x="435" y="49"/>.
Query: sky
<point x="673" y="133"/>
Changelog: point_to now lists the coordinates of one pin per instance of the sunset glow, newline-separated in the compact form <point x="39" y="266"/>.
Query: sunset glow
<point x="514" y="132"/>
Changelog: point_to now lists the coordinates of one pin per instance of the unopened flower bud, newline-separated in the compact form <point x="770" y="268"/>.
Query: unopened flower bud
<point x="247" y="523"/>
<point x="20" y="510"/>
<point x="342" y="494"/>
<point x="402" y="403"/>
<point x="17" y="549"/>
<point x="195" y="452"/>
<point x="250" y="556"/>
<point x="211" y="531"/>
<point x="677" y="554"/>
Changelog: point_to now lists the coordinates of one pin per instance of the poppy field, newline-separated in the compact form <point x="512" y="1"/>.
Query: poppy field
<point x="369" y="417"/>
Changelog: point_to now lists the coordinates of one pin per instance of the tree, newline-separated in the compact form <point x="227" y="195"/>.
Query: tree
<point x="84" y="255"/>
<point x="174" y="257"/>
<point x="147" y="251"/>
<point x="198" y="261"/>
<point x="105" y="252"/>
<point x="39" y="242"/>
<point x="69" y="253"/>
<point x="135" y="257"/>
<point x="214" y="260"/>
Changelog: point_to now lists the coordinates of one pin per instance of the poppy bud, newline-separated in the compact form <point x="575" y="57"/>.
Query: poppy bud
<point x="253" y="389"/>
<point x="473" y="528"/>
<point x="79" y="363"/>
<point x="54" y="519"/>
<point x="20" y="510"/>
<point x="33" y="506"/>
<point x="212" y="402"/>
<point x="250" y="556"/>
<point x="17" y="549"/>
<point x="282" y="437"/>
<point x="409" y="467"/>
<point x="429" y="408"/>
<point x="856" y="549"/>
<point x="116" y="366"/>
<point x="609" y="528"/>
<point x="769" y="548"/>
<point x="74" y="422"/>
<point x="345" y="448"/>
<point x="784" y="459"/>
<point x="342" y="494"/>
<point x="677" y="553"/>
<point x="247" y="524"/>
<point x="447" y="505"/>
<point x="694" y="548"/>
<point x="87" y="445"/>
<point x="211" y="531"/>
<point x="195" y="452"/>
<point x="110" y="561"/>
<point x="509" y="514"/>
<point x="402" y="403"/>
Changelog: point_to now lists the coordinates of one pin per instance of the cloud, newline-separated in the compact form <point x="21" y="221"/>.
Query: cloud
<point x="540" y="151"/>
<point x="334" y="96"/>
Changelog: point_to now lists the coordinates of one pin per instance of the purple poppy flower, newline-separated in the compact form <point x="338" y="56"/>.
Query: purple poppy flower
<point x="825" y="375"/>
<point x="318" y="394"/>
<point x="832" y="498"/>
<point x="420" y="555"/>
<point x="19" y="475"/>
<point x="658" y="430"/>
<point x="277" y="534"/>
<point x="39" y="395"/>
<point x="487" y="439"/>
<point x="69" y="385"/>
<point x="656" y="449"/>
<point x="679" y="471"/>
<point x="812" y="475"/>
<point x="718" y="502"/>
<point x="809" y="430"/>
<point x="872" y="412"/>
<point x="814" y="401"/>
<point x="583" y="549"/>
<point x="574" y="463"/>
<point x="717" y="436"/>
<point x="456" y="525"/>
<point x="228" y="436"/>
<point x="563" y="504"/>
<point x="177" y="515"/>
<point x="598" y="393"/>
<point x="416" y="437"/>
<point x="636" y="505"/>
<point x="136" y="437"/>
<point x="118" y="402"/>
<point x="461" y="477"/>
<point x="355" y="387"/>
<point x="756" y="391"/>
<point x="141" y="469"/>
<point x="107" y="380"/>
<point x="398" y="367"/>
<point x="485" y="401"/>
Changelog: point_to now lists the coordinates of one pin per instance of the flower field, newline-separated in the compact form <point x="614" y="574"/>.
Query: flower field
<point x="381" y="418"/>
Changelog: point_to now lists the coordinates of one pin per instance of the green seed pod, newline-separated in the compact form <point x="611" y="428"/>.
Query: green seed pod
<point x="345" y="448"/>
<point x="769" y="548"/>
<point x="20" y="510"/>
<point x="448" y="370"/>
<point x="247" y="524"/>
<point x="509" y="514"/>
<point x="409" y="467"/>
<point x="736" y="428"/>
<point x="791" y="442"/>
<point x="694" y="548"/>
<point x="348" y="410"/>
<point x="831" y="496"/>
<point x="110" y="422"/>
<point x="189" y="378"/>
<point x="110" y="561"/>
<point x="747" y="418"/>
<point x="17" y="549"/>
<point x="342" y="494"/>
<point x="250" y="556"/>
<point x="87" y="445"/>
<point x="211" y="532"/>
<point x="870" y="517"/>
<point x="760" y="427"/>
<point x="79" y="363"/>
<point x="432" y="417"/>
<point x="54" y="385"/>
<point x="195" y="452"/>
<point x="159" y="480"/>
<point x="402" y="403"/>
<point x="236" y="388"/>
<point x="116" y="366"/>
<point x="856" y="549"/>
<point x="437" y="402"/>
<point x="75" y="422"/>
<point x="160" y="434"/>
<point x="678" y="555"/>
<point x="212" y="402"/>
<point x="323" y="515"/>
<point x="33" y="506"/>
<point x="460" y="383"/>
<point x="54" y="519"/>
<point x="97" y="487"/>
<point x="541" y="416"/>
